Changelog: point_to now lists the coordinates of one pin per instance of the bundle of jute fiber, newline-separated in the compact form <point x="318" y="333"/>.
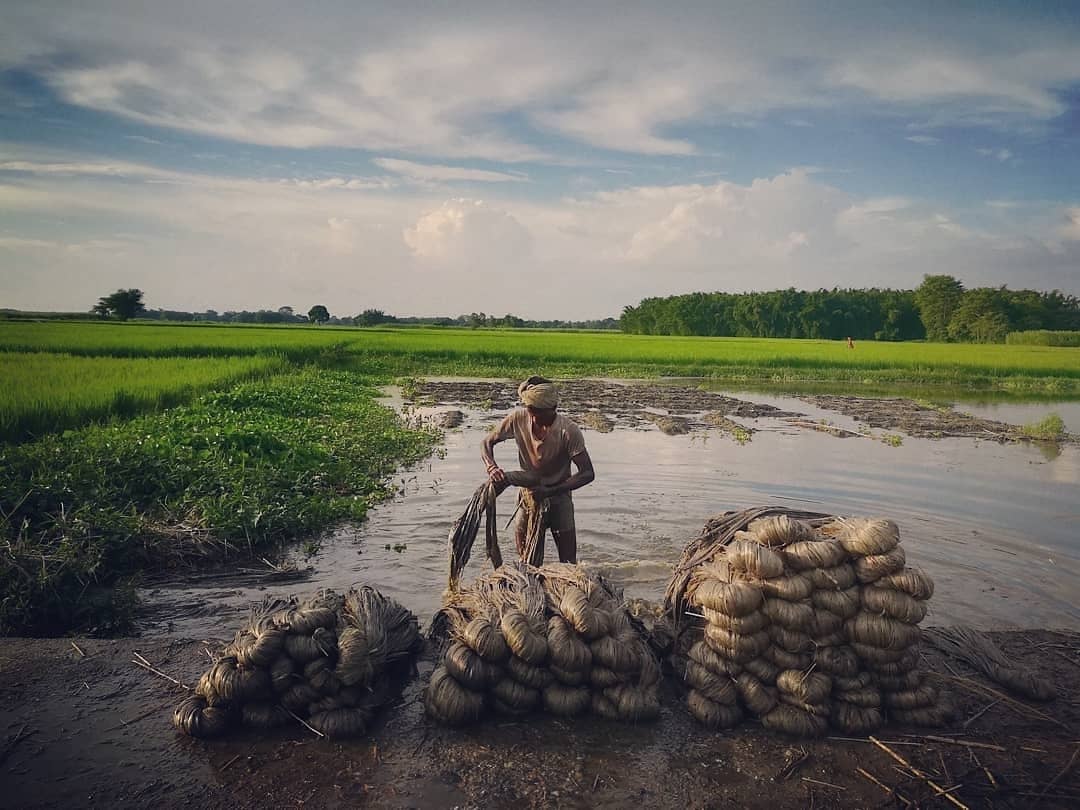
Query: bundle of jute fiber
<point x="801" y="619"/>
<point x="554" y="638"/>
<point x="331" y="660"/>
<point x="884" y="632"/>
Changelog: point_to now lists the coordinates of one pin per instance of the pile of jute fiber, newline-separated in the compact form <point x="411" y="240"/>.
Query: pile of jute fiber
<point x="554" y="638"/>
<point x="329" y="662"/>
<point x="803" y="620"/>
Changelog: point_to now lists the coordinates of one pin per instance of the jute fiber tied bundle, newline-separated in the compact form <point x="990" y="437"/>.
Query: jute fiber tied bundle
<point x="339" y="723"/>
<point x="893" y="604"/>
<point x="845" y="683"/>
<point x="929" y="716"/>
<point x="808" y="687"/>
<point x="571" y="645"/>
<point x="853" y="719"/>
<point x="795" y="722"/>
<point x="881" y="631"/>
<point x="866" y="538"/>
<point x="566" y="701"/>
<point x="717" y="688"/>
<point x="717" y="664"/>
<point x="912" y="581"/>
<point x="807" y="643"/>
<point x="528" y="675"/>
<point x="264" y="716"/>
<point x="737" y="647"/>
<point x="795" y="642"/>
<point x="838" y="577"/>
<point x="787" y="660"/>
<point x="808" y="554"/>
<point x="469" y="669"/>
<point x="779" y="531"/>
<point x="289" y="658"/>
<point x="867" y="697"/>
<point x="758" y="698"/>
<point x="844" y="603"/>
<point x="918" y="698"/>
<point x="634" y="704"/>
<point x="754" y="560"/>
<point x="792" y="587"/>
<point x="763" y="669"/>
<point x="873" y="568"/>
<point x="194" y="717"/>
<point x="711" y="714"/>
<point x="839" y="660"/>
<point x="565" y="648"/>
<point x="733" y="598"/>
<point x="743" y="625"/>
<point x="449" y="702"/>
<point x="792" y="615"/>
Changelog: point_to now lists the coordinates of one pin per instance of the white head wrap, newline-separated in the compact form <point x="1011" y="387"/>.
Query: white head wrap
<point x="539" y="395"/>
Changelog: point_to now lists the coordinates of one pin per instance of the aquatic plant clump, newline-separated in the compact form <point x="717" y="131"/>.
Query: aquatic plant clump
<point x="232" y="473"/>
<point x="808" y="647"/>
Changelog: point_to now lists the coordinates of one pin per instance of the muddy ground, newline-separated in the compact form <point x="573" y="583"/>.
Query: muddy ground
<point x="681" y="408"/>
<point x="84" y="726"/>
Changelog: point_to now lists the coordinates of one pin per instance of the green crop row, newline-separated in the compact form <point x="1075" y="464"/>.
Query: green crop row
<point x="45" y="392"/>
<point x="1043" y="337"/>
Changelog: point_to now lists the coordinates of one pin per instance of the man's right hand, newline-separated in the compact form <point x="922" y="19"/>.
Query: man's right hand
<point x="497" y="474"/>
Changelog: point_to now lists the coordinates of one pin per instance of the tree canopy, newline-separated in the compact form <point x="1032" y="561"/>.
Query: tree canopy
<point x="318" y="314"/>
<point x="122" y="304"/>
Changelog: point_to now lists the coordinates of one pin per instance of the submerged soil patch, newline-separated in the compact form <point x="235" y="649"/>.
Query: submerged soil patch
<point x="916" y="419"/>
<point x="85" y="726"/>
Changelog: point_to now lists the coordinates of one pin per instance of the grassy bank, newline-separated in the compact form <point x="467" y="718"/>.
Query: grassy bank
<point x="82" y="514"/>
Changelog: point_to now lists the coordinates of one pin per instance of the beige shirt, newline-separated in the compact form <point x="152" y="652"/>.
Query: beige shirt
<point x="549" y="457"/>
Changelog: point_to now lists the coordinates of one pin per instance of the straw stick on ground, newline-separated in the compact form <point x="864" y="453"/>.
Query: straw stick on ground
<point x="139" y="661"/>
<point x="891" y="791"/>
<point x="941" y="791"/>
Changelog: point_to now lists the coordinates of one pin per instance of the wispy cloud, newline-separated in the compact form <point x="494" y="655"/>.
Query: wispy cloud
<point x="1000" y="153"/>
<point x="924" y="140"/>
<point x="436" y="172"/>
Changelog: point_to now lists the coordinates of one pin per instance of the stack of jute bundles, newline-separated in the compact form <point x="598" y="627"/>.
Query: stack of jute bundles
<point x="885" y="632"/>
<point x="790" y="634"/>
<point x="331" y="661"/>
<point x="553" y="638"/>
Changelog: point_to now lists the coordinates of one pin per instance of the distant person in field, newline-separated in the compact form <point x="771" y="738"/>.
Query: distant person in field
<point x="548" y="443"/>
<point x="850" y="343"/>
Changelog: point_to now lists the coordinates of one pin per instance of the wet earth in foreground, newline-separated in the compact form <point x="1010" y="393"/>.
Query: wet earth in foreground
<point x="85" y="727"/>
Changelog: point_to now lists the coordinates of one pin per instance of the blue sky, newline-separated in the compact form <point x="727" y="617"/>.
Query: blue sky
<point x="548" y="160"/>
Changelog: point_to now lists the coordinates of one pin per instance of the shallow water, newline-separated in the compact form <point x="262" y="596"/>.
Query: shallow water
<point x="996" y="526"/>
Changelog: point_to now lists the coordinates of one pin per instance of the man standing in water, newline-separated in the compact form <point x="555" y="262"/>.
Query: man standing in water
<point x="548" y="442"/>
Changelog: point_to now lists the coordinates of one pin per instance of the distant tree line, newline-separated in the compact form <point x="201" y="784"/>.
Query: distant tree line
<point x="940" y="309"/>
<point x="127" y="304"/>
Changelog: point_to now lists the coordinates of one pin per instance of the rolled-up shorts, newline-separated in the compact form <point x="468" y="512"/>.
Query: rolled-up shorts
<point x="560" y="514"/>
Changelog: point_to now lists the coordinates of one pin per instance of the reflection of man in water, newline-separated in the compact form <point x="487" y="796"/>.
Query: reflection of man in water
<point x="547" y="443"/>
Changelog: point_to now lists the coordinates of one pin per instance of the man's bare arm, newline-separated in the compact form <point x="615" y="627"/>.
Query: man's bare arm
<point x="584" y="475"/>
<point x="487" y="453"/>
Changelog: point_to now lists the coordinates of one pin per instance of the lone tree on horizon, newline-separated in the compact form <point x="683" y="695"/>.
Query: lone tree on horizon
<point x="123" y="304"/>
<point x="318" y="314"/>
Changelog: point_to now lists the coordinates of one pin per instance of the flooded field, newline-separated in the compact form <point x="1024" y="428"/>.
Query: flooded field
<point x="996" y="524"/>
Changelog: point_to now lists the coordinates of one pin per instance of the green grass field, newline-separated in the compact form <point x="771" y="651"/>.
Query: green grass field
<point x="46" y="392"/>
<point x="65" y="374"/>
